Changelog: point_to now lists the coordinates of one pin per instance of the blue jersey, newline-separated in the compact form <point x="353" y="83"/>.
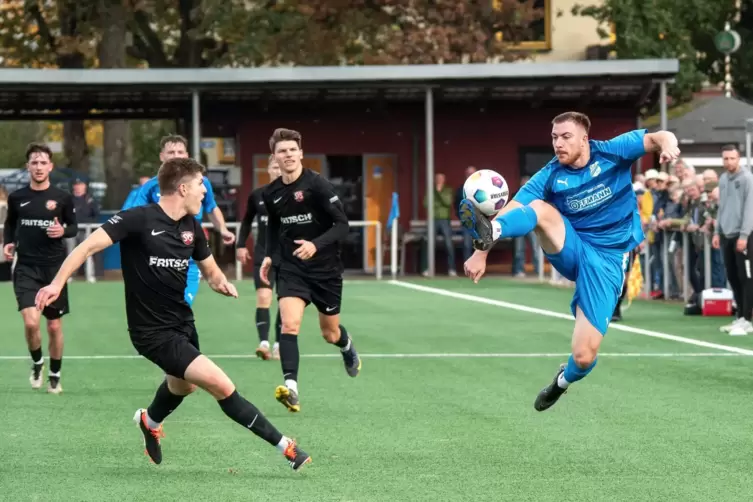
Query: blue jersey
<point x="598" y="199"/>
<point x="149" y="194"/>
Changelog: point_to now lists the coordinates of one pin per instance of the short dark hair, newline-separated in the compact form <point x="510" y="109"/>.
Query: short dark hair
<point x="282" y="134"/>
<point x="730" y="148"/>
<point x="172" y="173"/>
<point x="37" y="148"/>
<point x="579" y="118"/>
<point x="172" y="138"/>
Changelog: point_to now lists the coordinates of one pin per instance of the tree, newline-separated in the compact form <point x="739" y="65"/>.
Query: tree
<point x="665" y="29"/>
<point x="182" y="34"/>
<point x="116" y="133"/>
<point x="355" y="32"/>
<point x="34" y="35"/>
<point x="14" y="138"/>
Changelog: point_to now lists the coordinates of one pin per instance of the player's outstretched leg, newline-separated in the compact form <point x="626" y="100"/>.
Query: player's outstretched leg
<point x="336" y="334"/>
<point x="514" y="221"/>
<point x="292" y="313"/>
<point x="586" y="341"/>
<point x="207" y="375"/>
<point x="31" y="317"/>
<point x="168" y="397"/>
<point x="55" y="346"/>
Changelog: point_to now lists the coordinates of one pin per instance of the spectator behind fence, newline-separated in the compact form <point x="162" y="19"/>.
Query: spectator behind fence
<point x="733" y="235"/>
<point x="87" y="211"/>
<point x="467" y="238"/>
<point x="442" y="209"/>
<point x="674" y="211"/>
<point x="692" y="222"/>
<point x="711" y="199"/>
<point x="661" y="197"/>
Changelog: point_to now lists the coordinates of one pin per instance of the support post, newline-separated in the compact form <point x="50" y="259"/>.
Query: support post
<point x="195" y="126"/>
<point x="430" y="234"/>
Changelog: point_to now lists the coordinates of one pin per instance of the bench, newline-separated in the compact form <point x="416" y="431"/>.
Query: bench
<point x="417" y="232"/>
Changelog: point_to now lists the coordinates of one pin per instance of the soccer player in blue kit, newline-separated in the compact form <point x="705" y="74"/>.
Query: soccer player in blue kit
<point x="175" y="146"/>
<point x="582" y="207"/>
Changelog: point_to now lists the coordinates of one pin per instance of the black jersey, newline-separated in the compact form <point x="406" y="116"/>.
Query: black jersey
<point x="255" y="208"/>
<point x="307" y="209"/>
<point x="154" y="255"/>
<point x="30" y="213"/>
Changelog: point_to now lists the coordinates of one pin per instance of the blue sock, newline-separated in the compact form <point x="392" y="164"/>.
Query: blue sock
<point x="573" y="373"/>
<point x="516" y="223"/>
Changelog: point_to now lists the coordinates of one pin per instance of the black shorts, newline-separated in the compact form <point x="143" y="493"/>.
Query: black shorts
<point x="172" y="349"/>
<point x="258" y="283"/>
<point x="324" y="293"/>
<point x="29" y="279"/>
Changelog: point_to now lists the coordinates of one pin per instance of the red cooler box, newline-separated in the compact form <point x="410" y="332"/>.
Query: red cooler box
<point x="717" y="302"/>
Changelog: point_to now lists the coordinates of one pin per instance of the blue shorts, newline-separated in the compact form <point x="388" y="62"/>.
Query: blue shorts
<point x="192" y="282"/>
<point x="598" y="275"/>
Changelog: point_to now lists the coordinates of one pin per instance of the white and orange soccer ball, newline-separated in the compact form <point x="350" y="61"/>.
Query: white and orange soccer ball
<point x="487" y="190"/>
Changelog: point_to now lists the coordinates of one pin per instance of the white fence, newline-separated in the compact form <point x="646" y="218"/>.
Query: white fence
<point x="236" y="226"/>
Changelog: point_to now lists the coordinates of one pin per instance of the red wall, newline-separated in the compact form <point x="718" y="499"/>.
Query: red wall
<point x="463" y="135"/>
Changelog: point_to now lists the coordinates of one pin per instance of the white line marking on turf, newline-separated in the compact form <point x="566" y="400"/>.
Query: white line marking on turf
<point x="549" y="313"/>
<point x="415" y="356"/>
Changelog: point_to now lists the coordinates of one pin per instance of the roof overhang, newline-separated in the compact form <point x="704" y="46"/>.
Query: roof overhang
<point x="129" y="93"/>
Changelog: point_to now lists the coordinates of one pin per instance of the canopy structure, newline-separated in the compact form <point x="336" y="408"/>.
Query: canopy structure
<point x="53" y="94"/>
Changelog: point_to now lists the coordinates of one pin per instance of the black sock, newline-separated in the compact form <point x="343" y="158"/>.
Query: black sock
<point x="262" y="324"/>
<point x="247" y="415"/>
<point x="36" y="356"/>
<point x="289" y="356"/>
<point x="55" y="365"/>
<point x="164" y="403"/>
<point x="278" y="326"/>
<point x="343" y="341"/>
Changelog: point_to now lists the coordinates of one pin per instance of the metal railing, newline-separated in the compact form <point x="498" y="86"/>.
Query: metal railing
<point x="667" y="264"/>
<point x="235" y="226"/>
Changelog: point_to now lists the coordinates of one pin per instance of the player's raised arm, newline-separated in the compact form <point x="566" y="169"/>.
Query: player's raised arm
<point x="663" y="142"/>
<point x="331" y="203"/>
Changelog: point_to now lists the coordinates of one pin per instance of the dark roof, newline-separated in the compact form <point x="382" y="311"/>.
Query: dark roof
<point x="718" y="120"/>
<point x="53" y="93"/>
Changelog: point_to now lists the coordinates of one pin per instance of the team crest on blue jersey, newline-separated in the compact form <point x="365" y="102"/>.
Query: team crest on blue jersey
<point x="595" y="169"/>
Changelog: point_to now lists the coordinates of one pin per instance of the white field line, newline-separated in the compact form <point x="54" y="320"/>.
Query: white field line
<point x="549" y="313"/>
<point x="441" y="355"/>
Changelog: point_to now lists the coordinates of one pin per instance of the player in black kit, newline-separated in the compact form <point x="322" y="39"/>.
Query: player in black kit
<point x="40" y="216"/>
<point x="255" y="208"/>
<point x="156" y="243"/>
<point x="306" y="224"/>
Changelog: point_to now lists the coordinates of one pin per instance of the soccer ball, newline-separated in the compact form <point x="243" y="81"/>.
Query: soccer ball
<point x="487" y="190"/>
